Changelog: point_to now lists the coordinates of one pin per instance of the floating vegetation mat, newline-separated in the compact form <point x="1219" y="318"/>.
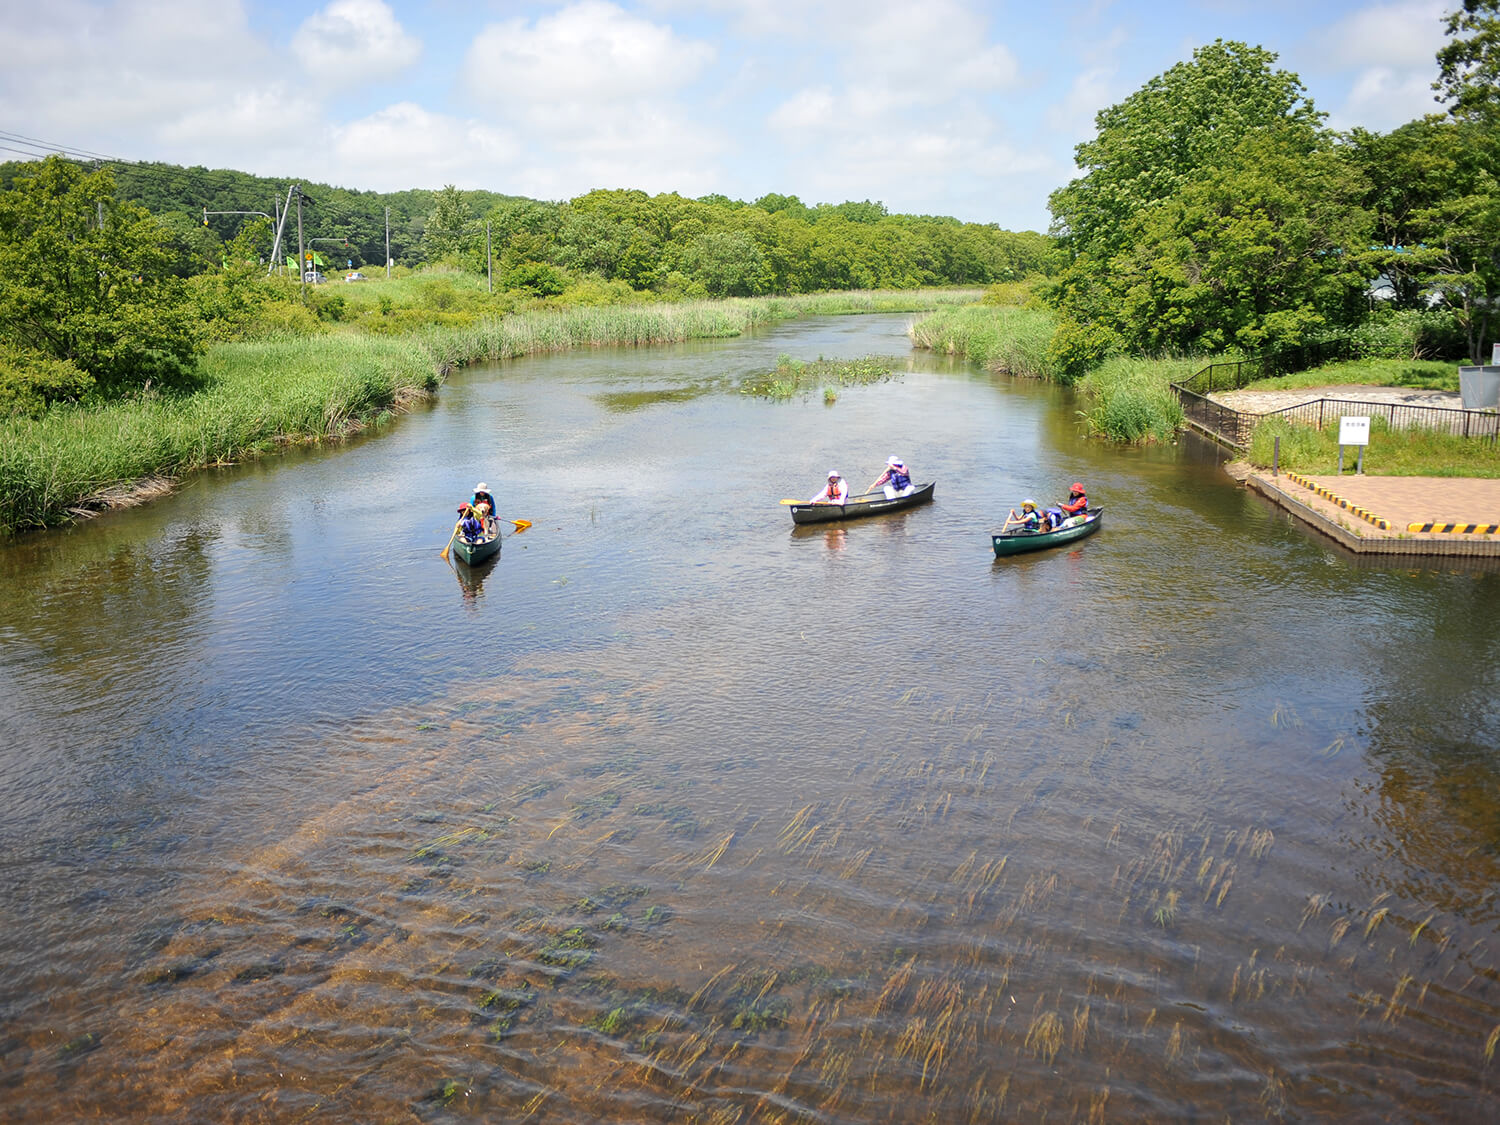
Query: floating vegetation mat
<point x="793" y="377"/>
<point x="539" y="903"/>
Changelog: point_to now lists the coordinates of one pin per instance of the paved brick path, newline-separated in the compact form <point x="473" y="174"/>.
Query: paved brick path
<point x="1400" y="501"/>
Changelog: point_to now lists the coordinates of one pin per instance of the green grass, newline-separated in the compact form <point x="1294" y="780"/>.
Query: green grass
<point x="1396" y="453"/>
<point x="291" y="386"/>
<point x="256" y="398"/>
<point x="1430" y="375"/>
<point x="1003" y="338"/>
<point x="1131" y="400"/>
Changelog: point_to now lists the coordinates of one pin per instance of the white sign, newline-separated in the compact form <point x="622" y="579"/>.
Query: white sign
<point x="1354" y="431"/>
<point x="1495" y="356"/>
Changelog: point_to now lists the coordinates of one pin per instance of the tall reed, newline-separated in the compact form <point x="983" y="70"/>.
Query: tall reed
<point x="1003" y="338"/>
<point x="289" y="387"/>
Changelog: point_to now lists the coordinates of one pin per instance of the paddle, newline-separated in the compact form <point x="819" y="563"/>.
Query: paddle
<point x="794" y="501"/>
<point x="520" y="525"/>
<point x="452" y="537"/>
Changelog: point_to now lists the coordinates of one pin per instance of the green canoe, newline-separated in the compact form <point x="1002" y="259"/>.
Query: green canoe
<point x="476" y="553"/>
<point x="1015" y="542"/>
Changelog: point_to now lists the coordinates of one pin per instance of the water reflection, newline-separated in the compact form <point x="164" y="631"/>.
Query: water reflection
<point x="471" y="579"/>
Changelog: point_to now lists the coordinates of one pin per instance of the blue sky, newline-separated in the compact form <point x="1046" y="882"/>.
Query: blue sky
<point x="947" y="107"/>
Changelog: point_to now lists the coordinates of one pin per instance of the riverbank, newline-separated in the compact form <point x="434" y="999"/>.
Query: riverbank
<point x="1411" y="516"/>
<point x="259" y="397"/>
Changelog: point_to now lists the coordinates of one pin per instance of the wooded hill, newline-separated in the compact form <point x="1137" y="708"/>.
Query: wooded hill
<point x="713" y="246"/>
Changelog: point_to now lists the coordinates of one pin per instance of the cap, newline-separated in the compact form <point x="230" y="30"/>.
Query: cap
<point x="832" y="473"/>
<point x="1076" y="487"/>
<point x="893" y="460"/>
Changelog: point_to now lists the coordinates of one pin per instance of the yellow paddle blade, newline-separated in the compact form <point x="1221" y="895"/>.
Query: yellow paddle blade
<point x="521" y="525"/>
<point x="794" y="501"/>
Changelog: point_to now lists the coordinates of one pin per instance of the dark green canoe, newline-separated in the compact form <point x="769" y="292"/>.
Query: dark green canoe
<point x="1015" y="542"/>
<point x="476" y="553"/>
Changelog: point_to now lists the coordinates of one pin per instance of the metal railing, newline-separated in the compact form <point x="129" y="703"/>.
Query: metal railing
<point x="1235" y="427"/>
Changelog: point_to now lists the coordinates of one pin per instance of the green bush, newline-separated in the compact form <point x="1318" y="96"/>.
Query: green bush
<point x="30" y="382"/>
<point x="1075" y="349"/>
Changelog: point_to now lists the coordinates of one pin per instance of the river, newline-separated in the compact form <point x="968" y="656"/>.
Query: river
<point x="674" y="812"/>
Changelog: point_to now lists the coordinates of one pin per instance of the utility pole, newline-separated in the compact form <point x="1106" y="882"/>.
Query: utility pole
<point x="489" y="261"/>
<point x="301" y="269"/>
<point x="284" y="211"/>
<point x="387" y="243"/>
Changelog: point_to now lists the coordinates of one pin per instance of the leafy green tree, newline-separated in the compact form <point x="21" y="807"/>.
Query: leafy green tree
<point x="1171" y="230"/>
<point x="1469" y="63"/>
<point x="87" y="279"/>
<point x="1257" y="251"/>
<point x="447" y="233"/>
<point x="728" y="264"/>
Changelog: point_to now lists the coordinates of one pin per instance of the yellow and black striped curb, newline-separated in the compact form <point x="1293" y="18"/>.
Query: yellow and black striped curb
<point x="1362" y="513"/>
<point x="1457" y="528"/>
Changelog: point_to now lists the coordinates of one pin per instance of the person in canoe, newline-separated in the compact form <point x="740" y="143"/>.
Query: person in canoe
<point x="1030" y="518"/>
<point x="471" y="523"/>
<point x="896" y="479"/>
<point x="1077" y="503"/>
<point x="836" y="491"/>
<point x="484" y="503"/>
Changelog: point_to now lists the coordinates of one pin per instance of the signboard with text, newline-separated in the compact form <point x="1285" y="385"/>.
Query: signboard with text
<point x="1354" y="431"/>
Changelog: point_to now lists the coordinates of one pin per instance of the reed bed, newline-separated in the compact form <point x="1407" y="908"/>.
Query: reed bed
<point x="258" y="396"/>
<point x="1007" y="339"/>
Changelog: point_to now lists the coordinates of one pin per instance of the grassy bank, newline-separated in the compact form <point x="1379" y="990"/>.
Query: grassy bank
<point x="1396" y="453"/>
<point x="1132" y="400"/>
<point x="1124" y="399"/>
<point x="1419" y="374"/>
<point x="1002" y="338"/>
<point x="258" y="396"/>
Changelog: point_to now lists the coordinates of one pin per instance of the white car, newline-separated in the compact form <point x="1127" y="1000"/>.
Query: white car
<point x="313" y="277"/>
<point x="354" y="276"/>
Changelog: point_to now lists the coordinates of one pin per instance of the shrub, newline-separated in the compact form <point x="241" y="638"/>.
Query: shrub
<point x="30" y="382"/>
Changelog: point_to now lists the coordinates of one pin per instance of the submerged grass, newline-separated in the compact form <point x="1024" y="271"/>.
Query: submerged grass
<point x="793" y="376"/>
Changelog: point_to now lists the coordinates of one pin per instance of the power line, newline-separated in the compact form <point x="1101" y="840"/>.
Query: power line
<point x="36" y="147"/>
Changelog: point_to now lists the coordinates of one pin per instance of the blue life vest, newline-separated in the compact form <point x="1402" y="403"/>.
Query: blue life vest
<point x="900" y="480"/>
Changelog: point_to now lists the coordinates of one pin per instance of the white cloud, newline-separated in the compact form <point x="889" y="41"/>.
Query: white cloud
<point x="1401" y="35"/>
<point x="354" y="37"/>
<point x="588" y="52"/>
<point x="405" y="146"/>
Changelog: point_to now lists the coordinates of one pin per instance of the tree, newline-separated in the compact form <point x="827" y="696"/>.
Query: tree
<point x="1148" y="146"/>
<point x="1469" y="64"/>
<point x="447" y="224"/>
<point x="1175" y="239"/>
<point x="1254" y="252"/>
<point x="87" y="279"/>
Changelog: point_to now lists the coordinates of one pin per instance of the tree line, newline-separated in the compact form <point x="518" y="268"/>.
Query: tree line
<point x="1214" y="211"/>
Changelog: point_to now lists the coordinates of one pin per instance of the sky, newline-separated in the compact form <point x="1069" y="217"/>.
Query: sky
<point x="964" y="108"/>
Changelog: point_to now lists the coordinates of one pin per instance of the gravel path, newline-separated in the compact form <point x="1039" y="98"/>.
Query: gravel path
<point x="1264" y="402"/>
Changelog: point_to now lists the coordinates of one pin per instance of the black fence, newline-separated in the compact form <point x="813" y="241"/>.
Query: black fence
<point x="1239" y="373"/>
<point x="1236" y="426"/>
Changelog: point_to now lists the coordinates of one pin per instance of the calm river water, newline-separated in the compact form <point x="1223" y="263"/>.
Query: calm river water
<point x="676" y="813"/>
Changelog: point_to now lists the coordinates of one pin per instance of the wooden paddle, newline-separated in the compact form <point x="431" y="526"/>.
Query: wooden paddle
<point x="452" y="537"/>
